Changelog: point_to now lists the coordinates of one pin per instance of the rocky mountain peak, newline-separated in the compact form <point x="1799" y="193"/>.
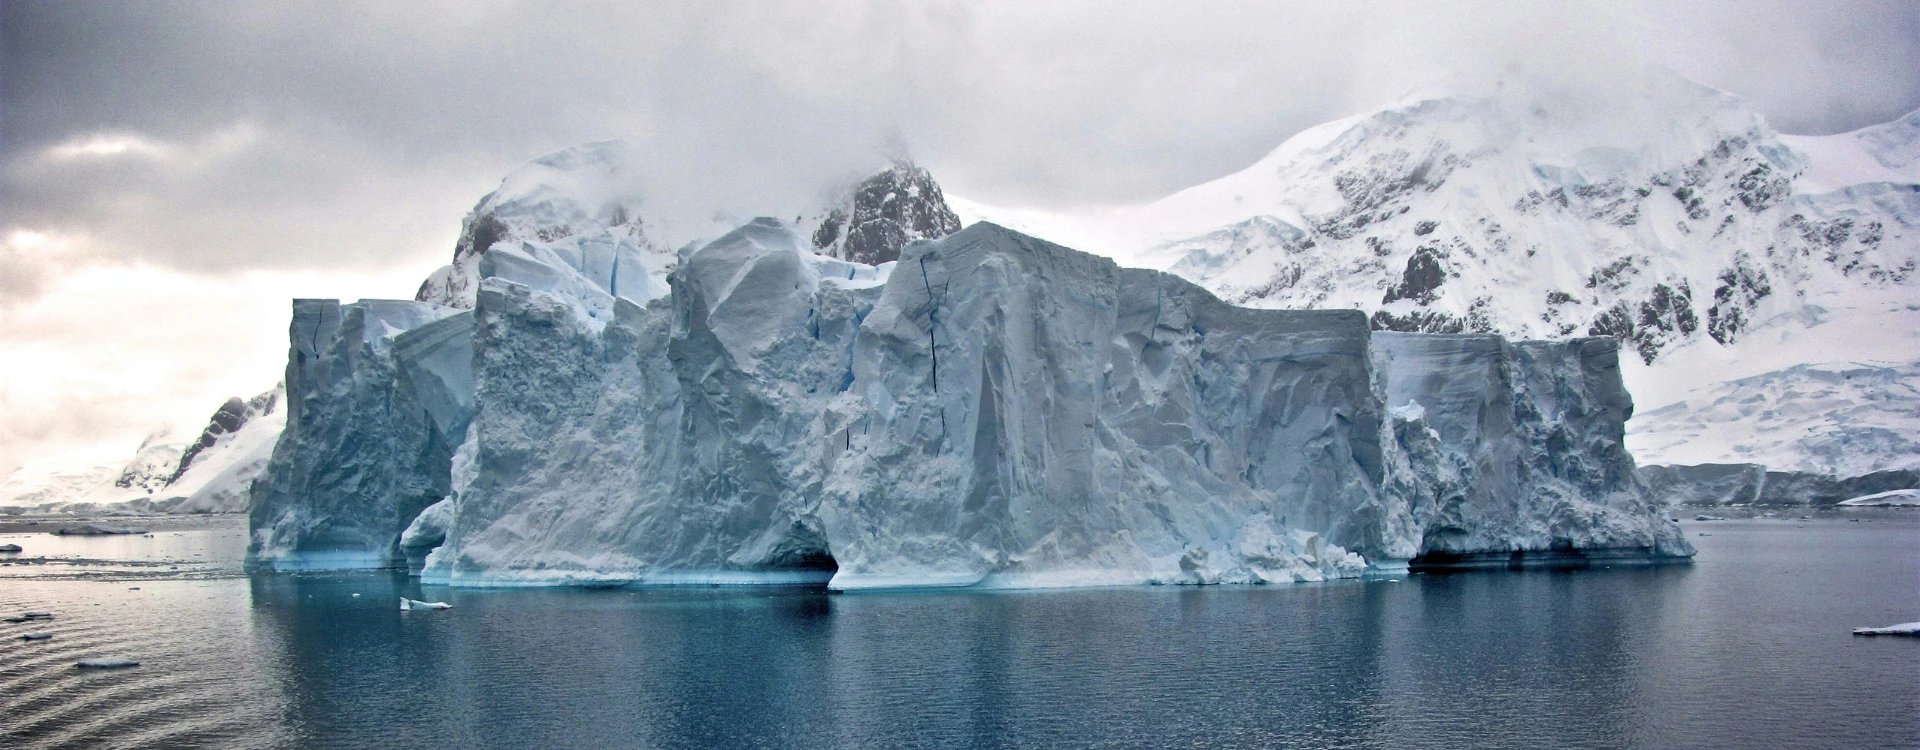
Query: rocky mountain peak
<point x="883" y="213"/>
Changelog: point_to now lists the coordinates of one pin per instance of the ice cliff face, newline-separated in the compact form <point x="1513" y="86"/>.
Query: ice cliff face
<point x="1029" y="415"/>
<point x="680" y="442"/>
<point x="991" y="410"/>
<point x="373" y="393"/>
<point x="1516" y="447"/>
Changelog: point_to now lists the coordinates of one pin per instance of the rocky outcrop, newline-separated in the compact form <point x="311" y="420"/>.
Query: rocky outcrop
<point x="227" y="421"/>
<point x="883" y="214"/>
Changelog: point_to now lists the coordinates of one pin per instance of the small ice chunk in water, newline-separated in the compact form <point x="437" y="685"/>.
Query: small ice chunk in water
<point x="411" y="604"/>
<point x="106" y="663"/>
<point x="38" y="615"/>
<point x="36" y="636"/>
<point x="1905" y="628"/>
<point x="356" y="596"/>
<point x="9" y="548"/>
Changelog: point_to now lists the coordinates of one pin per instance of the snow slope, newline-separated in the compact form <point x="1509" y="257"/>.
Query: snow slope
<point x="210" y="474"/>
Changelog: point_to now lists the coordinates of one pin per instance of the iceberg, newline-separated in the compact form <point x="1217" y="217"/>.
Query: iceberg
<point x="408" y="605"/>
<point x="1905" y="498"/>
<point x="1905" y="628"/>
<point x="985" y="409"/>
<point x="90" y="529"/>
<point x="106" y="663"/>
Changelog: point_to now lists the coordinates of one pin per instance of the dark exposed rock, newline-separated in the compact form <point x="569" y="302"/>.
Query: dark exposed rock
<point x="1418" y="321"/>
<point x="1373" y="191"/>
<point x="1761" y="186"/>
<point x="1666" y="315"/>
<point x="1614" y="276"/>
<point x="226" y="420"/>
<point x="1741" y="287"/>
<point x="1423" y="277"/>
<point x="886" y="211"/>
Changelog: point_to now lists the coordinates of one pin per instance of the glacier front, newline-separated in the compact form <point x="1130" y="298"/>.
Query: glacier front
<point x="991" y="410"/>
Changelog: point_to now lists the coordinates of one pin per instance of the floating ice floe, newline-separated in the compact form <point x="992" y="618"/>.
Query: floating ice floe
<point x="1704" y="517"/>
<point x="9" y="548"/>
<point x="106" y="663"/>
<point x="36" y="636"/>
<point x="90" y="529"/>
<point x="412" y="604"/>
<point x="1905" y="628"/>
<point x="1890" y="498"/>
<point x="38" y="615"/>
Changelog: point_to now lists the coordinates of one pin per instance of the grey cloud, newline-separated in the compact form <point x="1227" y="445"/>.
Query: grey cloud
<point x="380" y="123"/>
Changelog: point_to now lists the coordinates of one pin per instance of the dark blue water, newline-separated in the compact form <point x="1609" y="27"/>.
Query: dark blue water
<point x="1749" y="647"/>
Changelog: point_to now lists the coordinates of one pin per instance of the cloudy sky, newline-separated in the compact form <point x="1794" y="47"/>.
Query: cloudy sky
<point x="171" y="173"/>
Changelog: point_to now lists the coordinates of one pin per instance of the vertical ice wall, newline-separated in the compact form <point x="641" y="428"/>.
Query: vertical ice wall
<point x="362" y="452"/>
<point x="1035" y="415"/>
<point x="1514" y="450"/>
<point x="682" y="442"/>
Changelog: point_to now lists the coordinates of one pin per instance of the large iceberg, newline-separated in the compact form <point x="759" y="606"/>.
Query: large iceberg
<point x="988" y="410"/>
<point x="999" y="411"/>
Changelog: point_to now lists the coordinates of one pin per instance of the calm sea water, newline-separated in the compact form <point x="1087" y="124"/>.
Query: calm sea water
<point x="1749" y="647"/>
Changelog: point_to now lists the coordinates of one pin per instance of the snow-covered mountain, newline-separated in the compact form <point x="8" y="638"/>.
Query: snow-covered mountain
<point x="210" y="474"/>
<point x="1723" y="253"/>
